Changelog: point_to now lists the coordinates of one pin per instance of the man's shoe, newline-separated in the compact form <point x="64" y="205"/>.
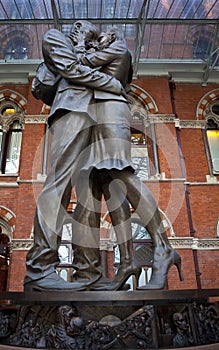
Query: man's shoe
<point x="53" y="282"/>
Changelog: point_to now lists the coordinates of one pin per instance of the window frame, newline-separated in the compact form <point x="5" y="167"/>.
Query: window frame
<point x="212" y="125"/>
<point x="211" y="147"/>
<point x="8" y="130"/>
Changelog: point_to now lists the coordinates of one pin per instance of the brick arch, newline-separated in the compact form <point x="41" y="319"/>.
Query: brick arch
<point x="144" y="98"/>
<point x="15" y="97"/>
<point x="205" y="101"/>
<point x="8" y="216"/>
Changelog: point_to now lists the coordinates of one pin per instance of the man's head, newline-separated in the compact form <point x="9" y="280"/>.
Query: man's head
<point x="108" y="37"/>
<point x="83" y="30"/>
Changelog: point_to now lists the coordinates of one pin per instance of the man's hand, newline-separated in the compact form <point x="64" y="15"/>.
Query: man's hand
<point x="80" y="47"/>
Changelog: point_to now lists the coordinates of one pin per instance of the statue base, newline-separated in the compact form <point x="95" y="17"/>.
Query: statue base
<point x="149" y="319"/>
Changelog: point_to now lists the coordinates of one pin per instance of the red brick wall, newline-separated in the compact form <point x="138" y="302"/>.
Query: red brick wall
<point x="158" y="88"/>
<point x="195" y="159"/>
<point x="31" y="154"/>
<point x="168" y="151"/>
<point x="188" y="270"/>
<point x="34" y="106"/>
<point x="8" y="198"/>
<point x="204" y="208"/>
<point x="17" y="271"/>
<point x="208" y="266"/>
<point x="187" y="97"/>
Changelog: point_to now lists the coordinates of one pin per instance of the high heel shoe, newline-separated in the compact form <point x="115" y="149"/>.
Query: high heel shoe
<point x="125" y="270"/>
<point x="161" y="265"/>
<point x="128" y="267"/>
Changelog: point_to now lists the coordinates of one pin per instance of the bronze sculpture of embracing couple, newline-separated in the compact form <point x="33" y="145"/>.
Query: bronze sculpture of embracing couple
<point x="91" y="150"/>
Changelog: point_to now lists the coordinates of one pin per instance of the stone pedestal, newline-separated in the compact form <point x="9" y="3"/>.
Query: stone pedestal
<point x="109" y="320"/>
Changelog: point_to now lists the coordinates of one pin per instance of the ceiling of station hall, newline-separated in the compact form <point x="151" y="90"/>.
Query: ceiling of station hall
<point x="158" y="32"/>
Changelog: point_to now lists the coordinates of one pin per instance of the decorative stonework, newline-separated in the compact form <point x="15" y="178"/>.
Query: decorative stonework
<point x="195" y="243"/>
<point x="16" y="101"/>
<point x="36" y="119"/>
<point x="170" y="118"/>
<point x="6" y="121"/>
<point x="21" y="244"/>
<point x="26" y="244"/>
<point x="203" y="104"/>
<point x="8" y="216"/>
<point x="12" y="96"/>
<point x="162" y="118"/>
<point x="206" y="244"/>
<point x="150" y="118"/>
<point x="176" y="242"/>
<point x="144" y="99"/>
<point x="191" y="124"/>
<point x="213" y="118"/>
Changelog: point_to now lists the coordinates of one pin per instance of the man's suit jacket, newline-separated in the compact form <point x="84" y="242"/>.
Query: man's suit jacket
<point x="75" y="90"/>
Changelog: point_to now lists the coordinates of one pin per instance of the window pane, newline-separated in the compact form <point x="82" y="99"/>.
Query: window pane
<point x="140" y="162"/>
<point x="13" y="155"/>
<point x="215" y="109"/>
<point x="16" y="125"/>
<point x="213" y="140"/>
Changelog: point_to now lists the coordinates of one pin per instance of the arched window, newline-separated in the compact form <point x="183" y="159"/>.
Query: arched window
<point x="212" y="130"/>
<point x="139" y="151"/>
<point x="208" y="110"/>
<point x="143" y="136"/>
<point x="202" y="48"/>
<point x="16" y="49"/>
<point x="16" y="41"/>
<point x="10" y="139"/>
